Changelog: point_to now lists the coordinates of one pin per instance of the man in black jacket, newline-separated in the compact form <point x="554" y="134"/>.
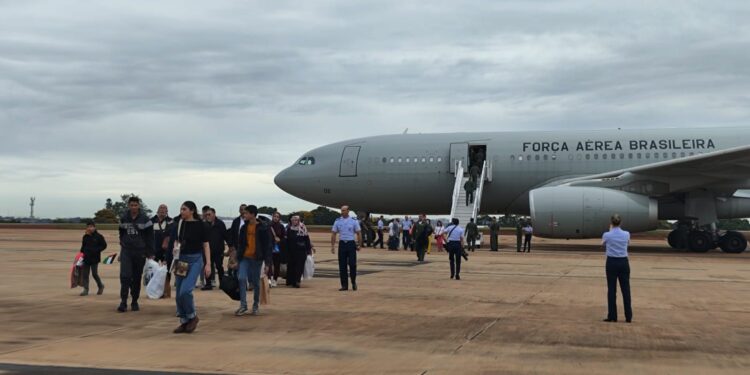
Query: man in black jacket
<point x="92" y="246"/>
<point x="254" y="247"/>
<point x="161" y="222"/>
<point x="216" y="242"/>
<point x="137" y="244"/>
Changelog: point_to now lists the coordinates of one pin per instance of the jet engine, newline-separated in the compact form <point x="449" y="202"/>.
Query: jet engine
<point x="585" y="212"/>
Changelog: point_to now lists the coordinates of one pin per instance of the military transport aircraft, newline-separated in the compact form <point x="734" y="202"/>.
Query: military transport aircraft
<point x="570" y="182"/>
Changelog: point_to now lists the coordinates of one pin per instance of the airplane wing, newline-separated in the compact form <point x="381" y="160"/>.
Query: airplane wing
<point x="724" y="171"/>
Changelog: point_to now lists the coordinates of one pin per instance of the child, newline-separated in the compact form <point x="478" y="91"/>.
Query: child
<point x="92" y="246"/>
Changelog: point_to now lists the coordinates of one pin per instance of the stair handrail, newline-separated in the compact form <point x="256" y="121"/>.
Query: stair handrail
<point x="457" y="187"/>
<point x="478" y="193"/>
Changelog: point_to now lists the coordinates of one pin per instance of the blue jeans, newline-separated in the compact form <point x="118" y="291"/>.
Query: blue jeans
<point x="184" y="287"/>
<point x="249" y="269"/>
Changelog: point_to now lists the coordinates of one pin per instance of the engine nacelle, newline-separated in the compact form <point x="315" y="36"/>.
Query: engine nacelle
<point x="584" y="212"/>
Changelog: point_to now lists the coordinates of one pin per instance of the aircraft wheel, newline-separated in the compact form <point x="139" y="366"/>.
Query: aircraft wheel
<point x="676" y="239"/>
<point x="700" y="241"/>
<point x="733" y="242"/>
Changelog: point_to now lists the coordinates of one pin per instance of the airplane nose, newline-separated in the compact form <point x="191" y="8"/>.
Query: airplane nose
<point x="282" y="180"/>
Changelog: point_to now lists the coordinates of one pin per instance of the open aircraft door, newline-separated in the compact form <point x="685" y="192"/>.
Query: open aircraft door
<point x="459" y="151"/>
<point x="349" y="161"/>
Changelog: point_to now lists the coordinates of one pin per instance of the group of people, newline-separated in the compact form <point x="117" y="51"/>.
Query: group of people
<point x="192" y="245"/>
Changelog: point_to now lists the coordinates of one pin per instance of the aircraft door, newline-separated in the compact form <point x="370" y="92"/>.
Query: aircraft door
<point x="459" y="151"/>
<point x="349" y="161"/>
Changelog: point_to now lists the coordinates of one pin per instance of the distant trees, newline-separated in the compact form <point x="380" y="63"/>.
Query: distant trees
<point x="106" y="216"/>
<point x="267" y="210"/>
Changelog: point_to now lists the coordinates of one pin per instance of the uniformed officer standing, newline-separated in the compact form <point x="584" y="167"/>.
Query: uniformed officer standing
<point x="348" y="230"/>
<point x="494" y="233"/>
<point x="519" y="235"/>
<point x="616" y="242"/>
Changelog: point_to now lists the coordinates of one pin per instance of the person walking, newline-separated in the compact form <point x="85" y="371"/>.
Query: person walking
<point x="470" y="186"/>
<point x="406" y="232"/>
<point x="422" y="234"/>
<point x="494" y="234"/>
<point x="92" y="245"/>
<point x="616" y="243"/>
<point x="381" y="226"/>
<point x="519" y="235"/>
<point x="472" y="233"/>
<point x="254" y="255"/>
<point x="439" y="238"/>
<point x="136" y="243"/>
<point x="218" y="236"/>
<point x="161" y="222"/>
<point x="454" y="236"/>
<point x="528" y="231"/>
<point x="279" y="250"/>
<point x="474" y="172"/>
<point x="191" y="247"/>
<point x="393" y="235"/>
<point x="298" y="246"/>
<point x="348" y="230"/>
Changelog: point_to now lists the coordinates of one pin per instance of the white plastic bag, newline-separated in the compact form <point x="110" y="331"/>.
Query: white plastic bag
<point x="309" y="270"/>
<point x="148" y="270"/>
<point x="155" y="287"/>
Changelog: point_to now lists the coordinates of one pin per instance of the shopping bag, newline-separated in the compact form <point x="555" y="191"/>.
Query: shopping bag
<point x="309" y="270"/>
<point x="230" y="286"/>
<point x="148" y="270"/>
<point x="265" y="291"/>
<point x="155" y="287"/>
<point x="76" y="273"/>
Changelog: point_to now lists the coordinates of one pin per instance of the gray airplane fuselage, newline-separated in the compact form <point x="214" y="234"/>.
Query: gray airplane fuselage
<point x="411" y="173"/>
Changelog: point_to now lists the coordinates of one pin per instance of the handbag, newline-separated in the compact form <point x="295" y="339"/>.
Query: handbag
<point x="180" y="268"/>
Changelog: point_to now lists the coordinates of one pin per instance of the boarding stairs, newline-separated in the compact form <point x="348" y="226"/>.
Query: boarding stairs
<point x="459" y="209"/>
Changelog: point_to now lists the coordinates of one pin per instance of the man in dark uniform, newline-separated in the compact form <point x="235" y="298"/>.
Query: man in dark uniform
<point x="137" y="244"/>
<point x="474" y="171"/>
<point x="472" y="232"/>
<point x="494" y="233"/>
<point x="470" y="187"/>
<point x="422" y="232"/>
<point x="218" y="236"/>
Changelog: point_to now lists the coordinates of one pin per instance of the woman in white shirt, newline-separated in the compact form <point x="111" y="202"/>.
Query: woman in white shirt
<point x="439" y="239"/>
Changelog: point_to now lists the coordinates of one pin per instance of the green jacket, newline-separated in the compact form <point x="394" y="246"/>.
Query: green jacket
<point x="422" y="231"/>
<point x="472" y="230"/>
<point x="470" y="186"/>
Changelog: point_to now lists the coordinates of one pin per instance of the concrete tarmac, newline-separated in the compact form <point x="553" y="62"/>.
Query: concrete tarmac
<point x="513" y="313"/>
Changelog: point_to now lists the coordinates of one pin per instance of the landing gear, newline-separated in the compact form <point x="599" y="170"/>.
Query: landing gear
<point x="678" y="238"/>
<point x="733" y="242"/>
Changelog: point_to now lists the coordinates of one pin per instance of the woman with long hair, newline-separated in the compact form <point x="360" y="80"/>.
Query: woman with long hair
<point x="298" y="248"/>
<point x="191" y="247"/>
<point x="439" y="238"/>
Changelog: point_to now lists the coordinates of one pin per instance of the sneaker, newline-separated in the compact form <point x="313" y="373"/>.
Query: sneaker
<point x="241" y="311"/>
<point x="274" y="283"/>
<point x="354" y="287"/>
<point x="100" y="291"/>
<point x="84" y="293"/>
<point x="123" y="307"/>
<point x="343" y="289"/>
<point x="134" y="307"/>
<point x="255" y="312"/>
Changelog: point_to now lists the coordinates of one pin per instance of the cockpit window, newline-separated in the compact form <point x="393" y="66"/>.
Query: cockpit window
<point x="307" y="160"/>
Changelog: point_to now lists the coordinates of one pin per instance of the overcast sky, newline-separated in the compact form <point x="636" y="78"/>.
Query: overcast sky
<point x="208" y="100"/>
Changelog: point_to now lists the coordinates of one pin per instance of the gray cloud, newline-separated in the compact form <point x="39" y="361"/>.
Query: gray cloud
<point x="94" y="91"/>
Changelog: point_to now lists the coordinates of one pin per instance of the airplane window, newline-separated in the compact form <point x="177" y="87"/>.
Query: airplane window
<point x="546" y="157"/>
<point x="520" y="158"/>
<point x="682" y="154"/>
<point x="513" y="158"/>
<point x="399" y="160"/>
<point x="385" y="160"/>
<point x="311" y="161"/>
<point x="579" y="156"/>
<point x="614" y="156"/>
<point x="639" y="155"/>
<point x="648" y="155"/>
<point x="528" y="157"/>
<point x="692" y="153"/>
<point x="424" y="160"/>
<point x="432" y="160"/>
<point x="440" y="159"/>
<point x="622" y="156"/>
<point x="588" y="156"/>
<point x="302" y="161"/>
<point x="656" y="155"/>
<point x="554" y="157"/>
<point x="674" y="155"/>
<point x="630" y="155"/>
<point x="666" y="155"/>
<point x="392" y="160"/>
<point x="536" y="157"/>
<point x="604" y="156"/>
<point x="596" y="156"/>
